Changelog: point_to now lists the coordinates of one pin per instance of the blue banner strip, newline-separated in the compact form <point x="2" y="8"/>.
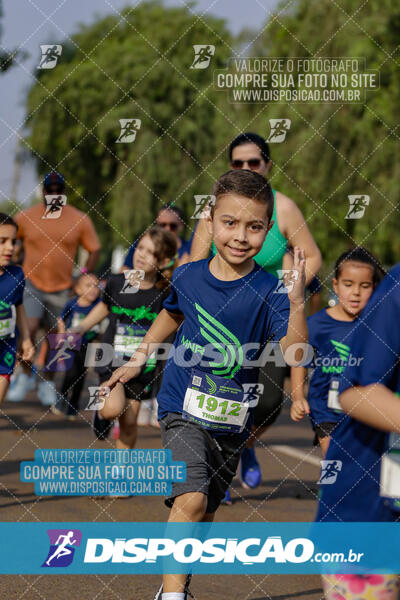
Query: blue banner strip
<point x="218" y="548"/>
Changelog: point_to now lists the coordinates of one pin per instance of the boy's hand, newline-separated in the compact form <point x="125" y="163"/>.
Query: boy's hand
<point x="299" y="409"/>
<point x="296" y="295"/>
<point x="121" y="375"/>
<point x="28" y="350"/>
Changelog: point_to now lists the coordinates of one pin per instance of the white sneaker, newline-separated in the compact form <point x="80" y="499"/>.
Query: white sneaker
<point x="47" y="393"/>
<point x="22" y="385"/>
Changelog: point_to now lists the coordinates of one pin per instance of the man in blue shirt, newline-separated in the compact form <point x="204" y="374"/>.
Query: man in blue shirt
<point x="219" y="305"/>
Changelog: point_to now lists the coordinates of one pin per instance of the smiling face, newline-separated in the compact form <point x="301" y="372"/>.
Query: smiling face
<point x="239" y="226"/>
<point x="8" y="238"/>
<point x="354" y="286"/>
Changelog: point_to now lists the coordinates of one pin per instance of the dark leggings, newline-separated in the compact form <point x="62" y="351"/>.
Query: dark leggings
<point x="270" y="403"/>
<point x="73" y="382"/>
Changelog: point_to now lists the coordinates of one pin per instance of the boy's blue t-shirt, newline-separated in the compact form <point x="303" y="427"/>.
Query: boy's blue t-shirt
<point x="12" y="283"/>
<point x="330" y="339"/>
<point x="72" y="311"/>
<point x="355" y="496"/>
<point x="244" y="311"/>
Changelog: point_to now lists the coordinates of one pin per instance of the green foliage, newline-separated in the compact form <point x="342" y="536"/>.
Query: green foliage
<point x="136" y="66"/>
<point x="334" y="150"/>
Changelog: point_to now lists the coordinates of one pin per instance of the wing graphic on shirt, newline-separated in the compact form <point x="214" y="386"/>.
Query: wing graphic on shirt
<point x="341" y="349"/>
<point x="226" y="343"/>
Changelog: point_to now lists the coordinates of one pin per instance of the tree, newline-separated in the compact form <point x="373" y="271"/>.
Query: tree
<point x="7" y="58"/>
<point x="133" y="66"/>
<point x="331" y="150"/>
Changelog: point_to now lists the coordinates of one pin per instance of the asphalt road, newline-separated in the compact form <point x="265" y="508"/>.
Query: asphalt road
<point x="288" y="493"/>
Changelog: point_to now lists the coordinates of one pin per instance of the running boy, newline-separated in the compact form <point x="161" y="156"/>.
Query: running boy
<point x="219" y="305"/>
<point x="356" y="275"/>
<point x="87" y="290"/>
<point x="130" y="316"/>
<point x="12" y="312"/>
<point x="368" y="440"/>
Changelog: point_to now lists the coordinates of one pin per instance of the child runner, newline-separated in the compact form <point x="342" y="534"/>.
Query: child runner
<point x="367" y="486"/>
<point x="87" y="297"/>
<point x="130" y="315"/>
<point x="356" y="275"/>
<point x="12" y="311"/>
<point x="218" y="304"/>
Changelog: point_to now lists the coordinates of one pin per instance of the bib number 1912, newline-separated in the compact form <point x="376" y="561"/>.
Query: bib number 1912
<point x="212" y="404"/>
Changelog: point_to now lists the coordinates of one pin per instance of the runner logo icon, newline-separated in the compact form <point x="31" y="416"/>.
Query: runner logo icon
<point x="204" y="202"/>
<point x="50" y="55"/>
<point x="202" y="56"/>
<point x="132" y="281"/>
<point x="329" y="471"/>
<point x="129" y="129"/>
<point x="62" y="547"/>
<point x="279" y="129"/>
<point x="357" y="206"/>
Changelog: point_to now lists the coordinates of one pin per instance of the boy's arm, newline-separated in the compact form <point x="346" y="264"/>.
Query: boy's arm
<point x="201" y="242"/>
<point x="298" y="376"/>
<point x="60" y="325"/>
<point x="297" y="331"/>
<point x="97" y="314"/>
<point x="28" y="350"/>
<point x="300" y="406"/>
<point x="374" y="404"/>
<point x="164" y="325"/>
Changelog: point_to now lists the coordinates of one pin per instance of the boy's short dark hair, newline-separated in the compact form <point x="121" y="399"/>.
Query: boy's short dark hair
<point x="7" y="220"/>
<point x="245" y="183"/>
<point x="250" y="138"/>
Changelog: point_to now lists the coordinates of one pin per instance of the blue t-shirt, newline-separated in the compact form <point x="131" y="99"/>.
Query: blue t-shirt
<point x="185" y="248"/>
<point x="330" y="339"/>
<point x="355" y="494"/>
<point x="12" y="283"/>
<point x="221" y="316"/>
<point x="72" y="313"/>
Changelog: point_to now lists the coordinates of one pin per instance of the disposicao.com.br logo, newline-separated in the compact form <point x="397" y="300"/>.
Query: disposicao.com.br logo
<point x="203" y="548"/>
<point x="62" y="547"/>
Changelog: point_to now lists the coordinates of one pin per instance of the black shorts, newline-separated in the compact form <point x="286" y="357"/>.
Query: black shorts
<point x="211" y="463"/>
<point x="323" y="430"/>
<point x="270" y="403"/>
<point x="134" y="389"/>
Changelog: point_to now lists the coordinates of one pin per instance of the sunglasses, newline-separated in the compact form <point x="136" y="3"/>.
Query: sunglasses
<point x="171" y="226"/>
<point x="252" y="163"/>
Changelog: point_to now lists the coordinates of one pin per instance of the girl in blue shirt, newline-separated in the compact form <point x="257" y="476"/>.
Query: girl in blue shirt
<point x="12" y="313"/>
<point x="356" y="275"/>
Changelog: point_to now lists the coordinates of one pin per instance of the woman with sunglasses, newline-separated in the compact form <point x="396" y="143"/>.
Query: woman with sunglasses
<point x="289" y="229"/>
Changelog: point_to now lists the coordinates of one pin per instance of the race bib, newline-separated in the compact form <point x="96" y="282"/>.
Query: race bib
<point x="390" y="470"/>
<point x="215" y="403"/>
<point x="333" y="396"/>
<point x="127" y="340"/>
<point x="7" y="324"/>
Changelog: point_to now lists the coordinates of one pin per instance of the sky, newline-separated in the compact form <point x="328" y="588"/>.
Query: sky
<point x="28" y="23"/>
